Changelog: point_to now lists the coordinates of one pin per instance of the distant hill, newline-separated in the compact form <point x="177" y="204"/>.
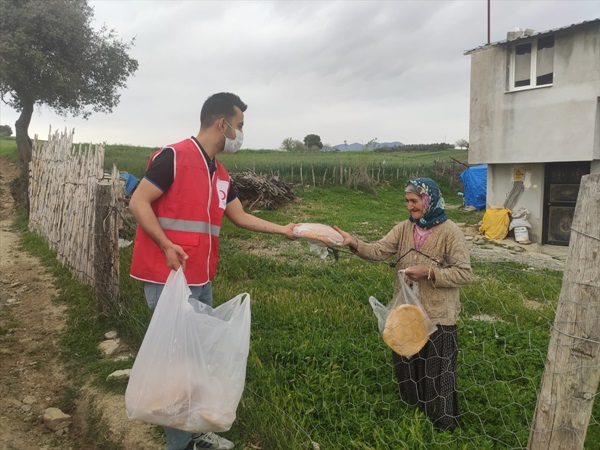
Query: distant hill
<point x="356" y="146"/>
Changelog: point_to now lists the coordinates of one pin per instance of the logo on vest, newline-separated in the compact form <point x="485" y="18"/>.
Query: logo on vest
<point x="222" y="190"/>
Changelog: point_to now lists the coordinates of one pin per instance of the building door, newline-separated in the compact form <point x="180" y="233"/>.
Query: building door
<point x="561" y="186"/>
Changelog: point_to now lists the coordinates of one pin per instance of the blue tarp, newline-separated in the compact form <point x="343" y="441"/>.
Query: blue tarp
<point x="131" y="182"/>
<point x="474" y="180"/>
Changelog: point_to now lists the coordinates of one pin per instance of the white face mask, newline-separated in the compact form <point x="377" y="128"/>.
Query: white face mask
<point x="233" y="145"/>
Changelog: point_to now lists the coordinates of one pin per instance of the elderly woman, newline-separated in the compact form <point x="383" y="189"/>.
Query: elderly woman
<point x="440" y="267"/>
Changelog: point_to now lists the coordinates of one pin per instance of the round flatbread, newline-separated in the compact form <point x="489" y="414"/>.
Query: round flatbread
<point x="405" y="331"/>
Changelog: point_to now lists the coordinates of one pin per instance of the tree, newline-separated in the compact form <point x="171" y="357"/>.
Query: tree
<point x="5" y="131"/>
<point x="313" y="142"/>
<point x="371" y="145"/>
<point x="292" y="145"/>
<point x="50" y="55"/>
<point x="462" y="143"/>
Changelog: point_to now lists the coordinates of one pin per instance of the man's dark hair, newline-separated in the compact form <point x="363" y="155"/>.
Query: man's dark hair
<point x="220" y="105"/>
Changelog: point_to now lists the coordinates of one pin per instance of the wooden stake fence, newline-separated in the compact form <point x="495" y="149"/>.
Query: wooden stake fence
<point x="63" y="185"/>
<point x="572" y="372"/>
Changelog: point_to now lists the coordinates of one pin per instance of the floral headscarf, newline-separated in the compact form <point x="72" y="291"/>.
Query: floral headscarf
<point x="434" y="211"/>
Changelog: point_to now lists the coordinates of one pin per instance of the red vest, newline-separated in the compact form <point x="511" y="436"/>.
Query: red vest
<point x="190" y="213"/>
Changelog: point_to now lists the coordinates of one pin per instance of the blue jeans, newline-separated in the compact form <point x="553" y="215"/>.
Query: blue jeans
<point x="177" y="439"/>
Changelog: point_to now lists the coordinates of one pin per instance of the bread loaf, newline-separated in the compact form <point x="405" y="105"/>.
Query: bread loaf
<point x="405" y="331"/>
<point x="318" y="233"/>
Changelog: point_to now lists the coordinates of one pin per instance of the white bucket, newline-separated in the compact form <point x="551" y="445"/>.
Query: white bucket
<point x="522" y="235"/>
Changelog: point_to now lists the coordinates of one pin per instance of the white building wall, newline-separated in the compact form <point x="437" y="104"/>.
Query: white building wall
<point x="500" y="180"/>
<point x="546" y="124"/>
<point x="523" y="130"/>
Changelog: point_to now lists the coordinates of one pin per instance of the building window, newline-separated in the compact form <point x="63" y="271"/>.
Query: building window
<point x="532" y="63"/>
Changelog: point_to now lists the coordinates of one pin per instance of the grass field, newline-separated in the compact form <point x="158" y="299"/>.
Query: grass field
<point x="8" y="149"/>
<point x="315" y="168"/>
<point x="319" y="374"/>
<point x="318" y="370"/>
<point x="301" y="167"/>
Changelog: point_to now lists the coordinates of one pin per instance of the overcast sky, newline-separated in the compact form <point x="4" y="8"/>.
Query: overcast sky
<point x="347" y="70"/>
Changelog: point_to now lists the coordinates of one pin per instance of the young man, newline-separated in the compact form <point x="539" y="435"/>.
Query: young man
<point x="179" y="205"/>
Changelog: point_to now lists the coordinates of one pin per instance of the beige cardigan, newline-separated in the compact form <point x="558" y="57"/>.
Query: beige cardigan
<point x="441" y="299"/>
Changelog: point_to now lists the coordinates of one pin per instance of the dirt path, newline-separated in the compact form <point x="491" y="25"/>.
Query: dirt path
<point x="31" y="375"/>
<point x="534" y="255"/>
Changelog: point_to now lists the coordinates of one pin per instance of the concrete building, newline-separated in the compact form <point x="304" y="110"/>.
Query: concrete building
<point x="535" y="120"/>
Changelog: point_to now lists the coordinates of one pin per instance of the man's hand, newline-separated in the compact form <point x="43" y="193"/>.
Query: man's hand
<point x="141" y="207"/>
<point x="175" y="257"/>
<point x="289" y="230"/>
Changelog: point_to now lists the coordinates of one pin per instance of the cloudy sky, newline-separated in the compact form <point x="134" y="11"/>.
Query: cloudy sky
<point x="346" y="70"/>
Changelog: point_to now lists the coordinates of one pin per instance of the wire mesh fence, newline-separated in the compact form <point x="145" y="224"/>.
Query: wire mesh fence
<point x="320" y="376"/>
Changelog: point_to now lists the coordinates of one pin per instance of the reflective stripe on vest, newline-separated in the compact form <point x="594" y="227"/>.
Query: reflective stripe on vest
<point x="192" y="226"/>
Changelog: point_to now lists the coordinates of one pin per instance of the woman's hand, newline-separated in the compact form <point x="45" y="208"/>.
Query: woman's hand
<point x="348" y="238"/>
<point x="419" y="273"/>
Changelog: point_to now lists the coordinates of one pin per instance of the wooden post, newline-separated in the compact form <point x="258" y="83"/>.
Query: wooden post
<point x="103" y="251"/>
<point x="324" y="176"/>
<point x="312" y="169"/>
<point x="301" y="176"/>
<point x="571" y="375"/>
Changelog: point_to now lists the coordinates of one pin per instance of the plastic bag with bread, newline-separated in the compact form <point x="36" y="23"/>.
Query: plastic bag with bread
<point x="184" y="404"/>
<point x="319" y="234"/>
<point x="190" y="371"/>
<point x="403" y="323"/>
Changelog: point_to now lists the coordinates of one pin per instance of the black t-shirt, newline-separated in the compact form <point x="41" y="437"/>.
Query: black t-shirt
<point x="161" y="172"/>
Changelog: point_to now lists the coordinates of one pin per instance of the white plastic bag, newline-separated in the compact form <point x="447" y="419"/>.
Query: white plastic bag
<point x="190" y="370"/>
<point x="403" y="323"/>
<point x="318" y="233"/>
<point x="319" y="237"/>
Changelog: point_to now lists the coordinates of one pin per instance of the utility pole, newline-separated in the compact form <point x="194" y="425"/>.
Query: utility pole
<point x="488" y="28"/>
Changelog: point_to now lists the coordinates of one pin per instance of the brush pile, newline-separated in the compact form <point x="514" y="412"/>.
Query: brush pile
<point x="262" y="191"/>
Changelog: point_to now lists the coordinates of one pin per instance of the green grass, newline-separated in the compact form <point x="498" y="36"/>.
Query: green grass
<point x="8" y="149"/>
<point x="318" y="370"/>
<point x="128" y="158"/>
